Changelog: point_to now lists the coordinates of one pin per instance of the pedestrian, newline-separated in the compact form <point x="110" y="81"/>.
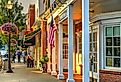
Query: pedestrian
<point x="23" y="55"/>
<point x="19" y="56"/>
<point x="28" y="60"/>
<point x="14" y="57"/>
<point x="31" y="61"/>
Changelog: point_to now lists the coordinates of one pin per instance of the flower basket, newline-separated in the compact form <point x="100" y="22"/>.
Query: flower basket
<point x="43" y="61"/>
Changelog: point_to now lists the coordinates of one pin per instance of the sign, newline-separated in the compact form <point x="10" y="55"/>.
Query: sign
<point x="63" y="15"/>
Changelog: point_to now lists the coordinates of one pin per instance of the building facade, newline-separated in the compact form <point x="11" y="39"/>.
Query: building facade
<point x="104" y="40"/>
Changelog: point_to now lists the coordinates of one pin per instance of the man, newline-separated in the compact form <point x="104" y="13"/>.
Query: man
<point x="19" y="56"/>
<point x="23" y="55"/>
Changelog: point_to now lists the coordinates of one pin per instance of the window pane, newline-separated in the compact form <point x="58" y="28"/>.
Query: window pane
<point x="95" y="67"/>
<point x="116" y="41"/>
<point x="95" y="36"/>
<point x="108" y="31"/>
<point x="108" y="41"/>
<point x="109" y="51"/>
<point x="108" y="61"/>
<point x="90" y="47"/>
<point x="116" y="62"/>
<point x="90" y="37"/>
<point x="116" y="30"/>
<point x="117" y="51"/>
<point x="95" y="57"/>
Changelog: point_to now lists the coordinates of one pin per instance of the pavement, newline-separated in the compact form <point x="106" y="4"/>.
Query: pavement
<point x="24" y="74"/>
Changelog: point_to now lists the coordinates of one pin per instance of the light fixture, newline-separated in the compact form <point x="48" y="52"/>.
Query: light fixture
<point x="9" y="5"/>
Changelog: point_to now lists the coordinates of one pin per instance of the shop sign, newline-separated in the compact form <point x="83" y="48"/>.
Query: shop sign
<point x="63" y="15"/>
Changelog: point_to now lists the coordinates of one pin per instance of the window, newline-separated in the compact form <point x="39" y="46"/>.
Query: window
<point x="93" y="49"/>
<point x="112" y="46"/>
<point x="79" y="47"/>
<point x="65" y="48"/>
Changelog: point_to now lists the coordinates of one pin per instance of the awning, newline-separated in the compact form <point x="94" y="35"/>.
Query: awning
<point x="32" y="34"/>
<point x="29" y="39"/>
<point x="29" y="42"/>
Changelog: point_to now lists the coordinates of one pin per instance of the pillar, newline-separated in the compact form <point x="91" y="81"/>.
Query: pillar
<point x="85" y="40"/>
<point x="54" y="56"/>
<point x="60" y="55"/>
<point x="43" y="38"/>
<point x="70" y="44"/>
<point x="49" y="53"/>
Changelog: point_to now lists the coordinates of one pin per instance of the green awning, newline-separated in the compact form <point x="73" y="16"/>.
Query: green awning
<point x="32" y="34"/>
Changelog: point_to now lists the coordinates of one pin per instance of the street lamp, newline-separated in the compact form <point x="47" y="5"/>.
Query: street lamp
<point x="9" y="7"/>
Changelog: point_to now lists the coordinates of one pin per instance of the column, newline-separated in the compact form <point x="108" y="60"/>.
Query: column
<point x="43" y="38"/>
<point x="54" y="57"/>
<point x="70" y="44"/>
<point x="85" y="39"/>
<point x="37" y="50"/>
<point x="49" y="53"/>
<point x="74" y="48"/>
<point x="38" y="57"/>
<point x="60" y="55"/>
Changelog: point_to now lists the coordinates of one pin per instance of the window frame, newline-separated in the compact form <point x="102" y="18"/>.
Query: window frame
<point x="112" y="36"/>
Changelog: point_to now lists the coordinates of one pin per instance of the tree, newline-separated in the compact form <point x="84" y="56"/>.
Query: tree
<point x="15" y="16"/>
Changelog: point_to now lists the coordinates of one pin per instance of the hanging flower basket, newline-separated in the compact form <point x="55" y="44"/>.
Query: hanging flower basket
<point x="44" y="59"/>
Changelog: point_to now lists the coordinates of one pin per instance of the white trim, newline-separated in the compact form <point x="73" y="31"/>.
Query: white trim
<point x="104" y="26"/>
<point x="98" y="50"/>
<point x="103" y="16"/>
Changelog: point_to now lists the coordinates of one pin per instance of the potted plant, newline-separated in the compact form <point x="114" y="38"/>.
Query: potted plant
<point x="44" y="61"/>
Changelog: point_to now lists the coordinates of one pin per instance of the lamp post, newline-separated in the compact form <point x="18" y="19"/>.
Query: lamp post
<point x="9" y="7"/>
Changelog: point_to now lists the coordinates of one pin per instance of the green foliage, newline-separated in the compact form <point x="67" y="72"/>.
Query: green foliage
<point x="14" y="15"/>
<point x="44" y="59"/>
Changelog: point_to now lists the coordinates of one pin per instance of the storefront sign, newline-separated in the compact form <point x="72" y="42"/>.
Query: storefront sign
<point x="63" y="15"/>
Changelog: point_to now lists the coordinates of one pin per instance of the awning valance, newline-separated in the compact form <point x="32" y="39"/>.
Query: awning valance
<point x="32" y="34"/>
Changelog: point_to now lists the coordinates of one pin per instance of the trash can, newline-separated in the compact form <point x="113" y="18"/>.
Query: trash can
<point x="5" y="63"/>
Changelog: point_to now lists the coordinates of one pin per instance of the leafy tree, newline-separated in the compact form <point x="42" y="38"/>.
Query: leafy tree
<point x="14" y="15"/>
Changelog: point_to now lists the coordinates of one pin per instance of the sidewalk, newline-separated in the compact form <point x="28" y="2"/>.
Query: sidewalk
<point x="23" y="74"/>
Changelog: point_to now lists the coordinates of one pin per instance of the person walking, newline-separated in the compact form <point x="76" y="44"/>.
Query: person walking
<point x="19" y="56"/>
<point x="28" y="60"/>
<point x="31" y="62"/>
<point x="14" y="57"/>
<point x="23" y="55"/>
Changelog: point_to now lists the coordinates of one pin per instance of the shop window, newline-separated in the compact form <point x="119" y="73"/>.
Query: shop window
<point x="112" y="46"/>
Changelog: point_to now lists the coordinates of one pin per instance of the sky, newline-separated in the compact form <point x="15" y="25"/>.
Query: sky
<point x="26" y="3"/>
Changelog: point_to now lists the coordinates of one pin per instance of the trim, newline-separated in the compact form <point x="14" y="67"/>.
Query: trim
<point x="103" y="16"/>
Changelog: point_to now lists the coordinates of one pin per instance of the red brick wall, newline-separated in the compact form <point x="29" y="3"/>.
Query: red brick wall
<point x="110" y="76"/>
<point x="31" y="17"/>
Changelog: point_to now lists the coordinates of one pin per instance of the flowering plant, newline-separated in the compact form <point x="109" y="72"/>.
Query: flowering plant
<point x="44" y="59"/>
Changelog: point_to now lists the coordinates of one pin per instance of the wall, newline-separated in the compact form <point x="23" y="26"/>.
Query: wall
<point x="110" y="76"/>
